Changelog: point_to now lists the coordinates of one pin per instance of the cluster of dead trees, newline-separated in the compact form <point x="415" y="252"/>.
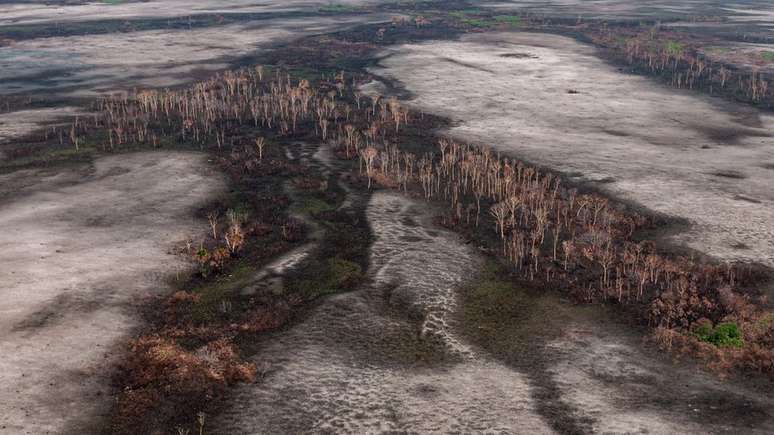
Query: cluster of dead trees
<point x="218" y="111"/>
<point x="578" y="241"/>
<point x="544" y="229"/>
<point x="550" y="231"/>
<point x="685" y="66"/>
<point x="209" y="112"/>
<point x="212" y="255"/>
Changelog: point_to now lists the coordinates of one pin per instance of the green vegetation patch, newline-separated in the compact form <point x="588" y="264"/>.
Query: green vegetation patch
<point x="327" y="277"/>
<point x="475" y="22"/>
<point x="511" y="20"/>
<point x="768" y="56"/>
<point x="504" y="318"/>
<point x="717" y="50"/>
<point x="464" y="12"/>
<point x="464" y="17"/>
<point x="722" y="335"/>
<point x="337" y="8"/>
<point x="674" y="48"/>
<point x="312" y="205"/>
<point x="217" y="298"/>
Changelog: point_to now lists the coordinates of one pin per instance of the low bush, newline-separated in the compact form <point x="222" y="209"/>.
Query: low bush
<point x="722" y="335"/>
<point x="157" y="364"/>
<point x="511" y="20"/>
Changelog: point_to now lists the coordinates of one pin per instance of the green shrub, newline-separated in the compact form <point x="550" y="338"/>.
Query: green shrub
<point x="313" y="205"/>
<point x="674" y="48"/>
<point x="511" y="20"/>
<point x="722" y="335"/>
<point x="768" y="55"/>
<point x="335" y="8"/>
<point x="463" y="13"/>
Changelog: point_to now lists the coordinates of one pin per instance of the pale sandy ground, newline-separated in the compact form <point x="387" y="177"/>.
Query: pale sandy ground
<point x="763" y="15"/>
<point x="752" y="11"/>
<point x="79" y="248"/>
<point x="90" y="65"/>
<point x="45" y="12"/>
<point x="41" y="13"/>
<point x="674" y="152"/>
<point x="16" y="125"/>
<point x="603" y="372"/>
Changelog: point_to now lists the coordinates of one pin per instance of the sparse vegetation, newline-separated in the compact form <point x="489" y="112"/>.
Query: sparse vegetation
<point x="511" y="20"/>
<point x="722" y="335"/>
<point x="674" y="48"/>
<point x="583" y="244"/>
<point x="337" y="8"/>
<point x="545" y="231"/>
<point x="332" y="276"/>
<point x="475" y="22"/>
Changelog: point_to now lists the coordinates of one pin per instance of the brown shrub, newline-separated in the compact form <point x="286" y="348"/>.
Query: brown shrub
<point x="160" y="376"/>
<point x="384" y="180"/>
<point x="265" y="318"/>
<point x="183" y="296"/>
<point x="309" y="183"/>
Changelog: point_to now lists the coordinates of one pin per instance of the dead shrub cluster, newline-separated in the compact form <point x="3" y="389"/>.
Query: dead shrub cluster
<point x="161" y="377"/>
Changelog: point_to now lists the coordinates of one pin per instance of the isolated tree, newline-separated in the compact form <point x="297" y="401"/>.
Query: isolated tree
<point x="569" y="249"/>
<point x="212" y="218"/>
<point x="260" y="142"/>
<point x="500" y="212"/>
<point x="368" y="155"/>
<point x="234" y="238"/>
